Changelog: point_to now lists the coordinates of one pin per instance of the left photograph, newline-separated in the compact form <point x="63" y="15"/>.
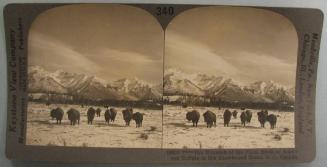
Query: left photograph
<point x="95" y="77"/>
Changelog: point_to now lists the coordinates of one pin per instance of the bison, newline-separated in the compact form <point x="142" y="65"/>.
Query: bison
<point x="227" y="117"/>
<point x="107" y="116"/>
<point x="272" y="119"/>
<point x="73" y="116"/>
<point x="110" y="115"/>
<point x="138" y="117"/>
<point x="58" y="114"/>
<point x="209" y="118"/>
<point x="127" y="115"/>
<point x="243" y="117"/>
<point x="248" y="116"/>
<point x="113" y="113"/>
<point x="98" y="112"/>
<point x="234" y="114"/>
<point x="90" y="115"/>
<point x="193" y="116"/>
<point x="262" y="117"/>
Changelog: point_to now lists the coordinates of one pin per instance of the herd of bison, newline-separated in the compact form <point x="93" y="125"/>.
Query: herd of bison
<point x="210" y="117"/>
<point x="194" y="116"/>
<point x="109" y="115"/>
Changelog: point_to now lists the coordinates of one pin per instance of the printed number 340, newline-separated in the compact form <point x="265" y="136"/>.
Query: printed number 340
<point x="164" y="11"/>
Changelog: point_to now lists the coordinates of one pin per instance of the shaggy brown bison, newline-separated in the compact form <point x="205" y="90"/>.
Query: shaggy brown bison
<point x="227" y="117"/>
<point x="110" y="115"/>
<point x="248" y="116"/>
<point x="272" y="119"/>
<point x="57" y="114"/>
<point x="113" y="113"/>
<point x="193" y="116"/>
<point x="98" y="112"/>
<point x="262" y="117"/>
<point x="73" y="116"/>
<point x="235" y="114"/>
<point x="209" y="118"/>
<point x="127" y="115"/>
<point x="243" y="117"/>
<point x="90" y="115"/>
<point x="138" y="118"/>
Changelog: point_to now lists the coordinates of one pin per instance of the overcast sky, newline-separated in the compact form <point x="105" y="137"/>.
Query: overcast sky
<point x="245" y="44"/>
<point x="109" y="41"/>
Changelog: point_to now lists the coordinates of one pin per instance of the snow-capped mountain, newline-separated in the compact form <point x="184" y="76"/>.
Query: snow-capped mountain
<point x="136" y="88"/>
<point x="90" y="87"/>
<point x="179" y="83"/>
<point x="41" y="80"/>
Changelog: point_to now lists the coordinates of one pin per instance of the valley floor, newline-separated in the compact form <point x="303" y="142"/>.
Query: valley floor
<point x="171" y="131"/>
<point x="179" y="133"/>
<point x="41" y="130"/>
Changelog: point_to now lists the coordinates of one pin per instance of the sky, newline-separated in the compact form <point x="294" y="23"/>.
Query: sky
<point x="245" y="44"/>
<point x="108" y="41"/>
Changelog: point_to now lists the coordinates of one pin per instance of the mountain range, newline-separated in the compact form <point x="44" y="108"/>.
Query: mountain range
<point x="90" y="87"/>
<point x="178" y="83"/>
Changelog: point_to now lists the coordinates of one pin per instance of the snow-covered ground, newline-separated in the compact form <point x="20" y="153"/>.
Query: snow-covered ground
<point x="176" y="131"/>
<point x="41" y="130"/>
<point x="179" y="133"/>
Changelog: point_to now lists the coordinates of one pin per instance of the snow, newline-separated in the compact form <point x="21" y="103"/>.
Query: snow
<point x="62" y="82"/>
<point x="43" y="131"/>
<point x="174" y="132"/>
<point x="178" y="82"/>
<point x="179" y="133"/>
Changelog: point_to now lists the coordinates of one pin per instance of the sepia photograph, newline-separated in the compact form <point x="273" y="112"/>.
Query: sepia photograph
<point x="229" y="79"/>
<point x="110" y="76"/>
<point x="160" y="83"/>
<point x="95" y="77"/>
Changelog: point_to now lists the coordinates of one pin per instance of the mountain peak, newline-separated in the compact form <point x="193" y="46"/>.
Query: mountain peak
<point x="179" y="83"/>
<point x="81" y="85"/>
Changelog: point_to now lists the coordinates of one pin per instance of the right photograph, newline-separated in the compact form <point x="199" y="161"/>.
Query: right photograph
<point x="229" y="79"/>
